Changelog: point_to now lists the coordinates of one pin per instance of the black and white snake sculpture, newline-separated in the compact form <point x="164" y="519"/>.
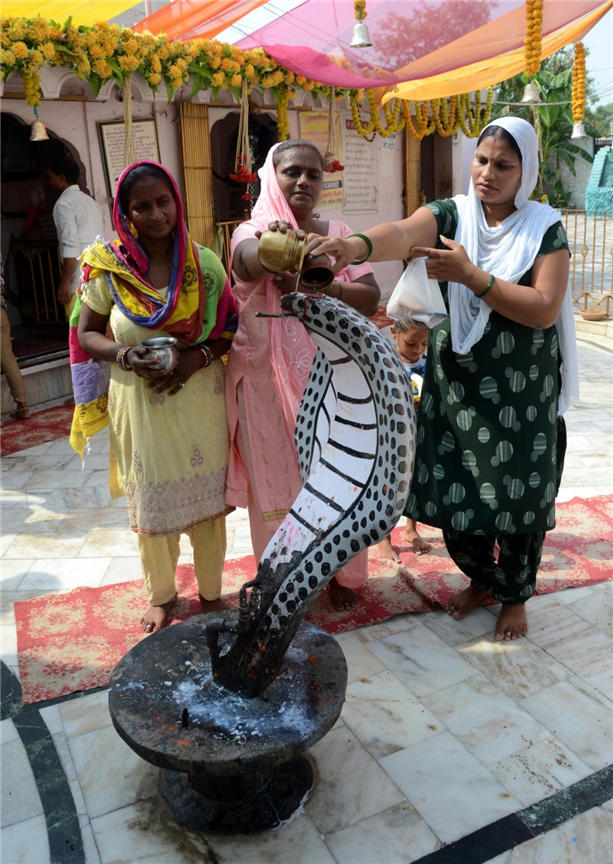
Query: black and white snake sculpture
<point x="355" y="437"/>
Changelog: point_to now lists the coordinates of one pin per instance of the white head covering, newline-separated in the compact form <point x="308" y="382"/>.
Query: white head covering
<point x="507" y="251"/>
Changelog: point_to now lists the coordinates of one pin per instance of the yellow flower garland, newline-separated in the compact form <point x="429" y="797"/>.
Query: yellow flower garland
<point x="283" y="117"/>
<point x="437" y="115"/>
<point x="359" y="8"/>
<point x="578" y="94"/>
<point x="450" y="122"/>
<point x="534" y="36"/>
<point x="106" y="51"/>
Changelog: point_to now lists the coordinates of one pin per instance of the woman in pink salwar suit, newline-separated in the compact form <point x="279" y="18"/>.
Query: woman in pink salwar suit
<point x="270" y="359"/>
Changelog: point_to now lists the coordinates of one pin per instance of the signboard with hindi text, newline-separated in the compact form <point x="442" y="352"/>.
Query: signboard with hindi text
<point x="314" y="128"/>
<point x="113" y="142"/>
<point x="360" y="158"/>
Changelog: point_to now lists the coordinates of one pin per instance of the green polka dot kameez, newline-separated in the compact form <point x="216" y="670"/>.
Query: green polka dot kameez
<point x="488" y="458"/>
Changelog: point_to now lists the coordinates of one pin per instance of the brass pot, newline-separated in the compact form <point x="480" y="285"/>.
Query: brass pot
<point x="316" y="273"/>
<point x="279" y="251"/>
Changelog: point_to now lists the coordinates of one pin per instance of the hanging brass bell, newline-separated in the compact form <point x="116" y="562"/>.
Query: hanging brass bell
<point x="531" y="94"/>
<point x="578" y="131"/>
<point x="361" y="36"/>
<point x="38" y="131"/>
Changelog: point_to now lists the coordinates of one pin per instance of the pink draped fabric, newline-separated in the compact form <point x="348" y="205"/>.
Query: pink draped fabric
<point x="411" y="39"/>
<point x="269" y="363"/>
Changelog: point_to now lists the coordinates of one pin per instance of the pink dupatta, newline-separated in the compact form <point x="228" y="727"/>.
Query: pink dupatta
<point x="292" y="349"/>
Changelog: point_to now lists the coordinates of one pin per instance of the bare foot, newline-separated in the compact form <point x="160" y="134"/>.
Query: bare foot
<point x="218" y="605"/>
<point x="512" y="623"/>
<point x="387" y="551"/>
<point x="22" y="412"/>
<point x="420" y="546"/>
<point x="460" y="604"/>
<point x="156" y="616"/>
<point x="342" y="598"/>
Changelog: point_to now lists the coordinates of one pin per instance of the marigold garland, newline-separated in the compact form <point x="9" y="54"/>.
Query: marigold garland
<point x="445" y="116"/>
<point x="534" y="36"/>
<point x="359" y="8"/>
<point x="578" y="94"/>
<point x="107" y="51"/>
<point x="437" y="115"/>
<point x="283" y="116"/>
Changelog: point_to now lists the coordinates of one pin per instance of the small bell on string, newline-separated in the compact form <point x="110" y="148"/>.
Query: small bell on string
<point x="578" y="131"/>
<point x="361" y="36"/>
<point x="37" y="129"/>
<point x="531" y="94"/>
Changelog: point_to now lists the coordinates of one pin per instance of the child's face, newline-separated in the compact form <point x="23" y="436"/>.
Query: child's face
<point x="411" y="345"/>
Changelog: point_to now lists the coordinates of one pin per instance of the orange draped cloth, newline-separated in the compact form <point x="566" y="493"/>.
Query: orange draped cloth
<point x="191" y="19"/>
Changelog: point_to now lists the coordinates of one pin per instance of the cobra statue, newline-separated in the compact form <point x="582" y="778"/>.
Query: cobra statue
<point x="355" y="437"/>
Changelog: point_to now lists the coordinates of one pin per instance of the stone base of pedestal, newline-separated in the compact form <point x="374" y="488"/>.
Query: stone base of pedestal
<point x="290" y="786"/>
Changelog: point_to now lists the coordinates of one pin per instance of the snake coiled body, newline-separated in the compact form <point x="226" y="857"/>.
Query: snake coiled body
<point x="355" y="435"/>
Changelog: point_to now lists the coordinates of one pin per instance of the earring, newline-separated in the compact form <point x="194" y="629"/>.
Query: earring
<point x="315" y="215"/>
<point x="132" y="229"/>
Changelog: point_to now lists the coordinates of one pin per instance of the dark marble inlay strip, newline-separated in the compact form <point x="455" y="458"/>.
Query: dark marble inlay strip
<point x="482" y="845"/>
<point x="492" y="840"/>
<point x="568" y="803"/>
<point x="63" y="830"/>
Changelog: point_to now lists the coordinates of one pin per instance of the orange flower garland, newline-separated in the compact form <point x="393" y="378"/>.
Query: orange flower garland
<point x="107" y="51"/>
<point x="444" y="116"/>
<point x="436" y="115"/>
<point x="578" y="95"/>
<point x="534" y="36"/>
<point x="359" y="8"/>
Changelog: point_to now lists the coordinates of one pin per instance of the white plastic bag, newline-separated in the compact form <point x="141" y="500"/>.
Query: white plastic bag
<point x="416" y="296"/>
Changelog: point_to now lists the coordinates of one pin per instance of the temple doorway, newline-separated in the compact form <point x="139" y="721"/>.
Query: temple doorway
<point x="29" y="243"/>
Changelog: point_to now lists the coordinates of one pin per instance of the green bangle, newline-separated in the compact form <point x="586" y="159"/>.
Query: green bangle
<point x="489" y="285"/>
<point x="340" y="291"/>
<point x="368" y="243"/>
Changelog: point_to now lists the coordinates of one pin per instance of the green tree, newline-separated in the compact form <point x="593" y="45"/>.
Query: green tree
<point x="602" y="117"/>
<point x="552" y="121"/>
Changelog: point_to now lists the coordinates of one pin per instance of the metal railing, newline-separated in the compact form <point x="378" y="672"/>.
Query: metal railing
<point x="38" y="274"/>
<point x="590" y="237"/>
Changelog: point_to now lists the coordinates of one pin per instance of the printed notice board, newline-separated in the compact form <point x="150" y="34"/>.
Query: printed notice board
<point x="113" y="142"/>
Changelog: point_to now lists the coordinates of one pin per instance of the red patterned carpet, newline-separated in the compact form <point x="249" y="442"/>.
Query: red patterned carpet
<point x="380" y="318"/>
<point x="47" y="425"/>
<point x="69" y="642"/>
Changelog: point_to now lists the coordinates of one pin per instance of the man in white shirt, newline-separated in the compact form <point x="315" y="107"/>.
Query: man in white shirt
<point x="78" y="220"/>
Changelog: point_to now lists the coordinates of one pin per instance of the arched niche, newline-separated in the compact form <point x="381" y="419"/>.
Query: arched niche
<point x="228" y="204"/>
<point x="24" y="164"/>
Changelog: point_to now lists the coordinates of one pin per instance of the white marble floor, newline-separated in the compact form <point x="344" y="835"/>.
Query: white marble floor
<point x="443" y="731"/>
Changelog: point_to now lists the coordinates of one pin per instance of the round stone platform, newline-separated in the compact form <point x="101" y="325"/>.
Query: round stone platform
<point x="234" y="765"/>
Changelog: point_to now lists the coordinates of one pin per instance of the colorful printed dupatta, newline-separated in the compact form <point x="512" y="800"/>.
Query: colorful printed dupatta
<point x="196" y="307"/>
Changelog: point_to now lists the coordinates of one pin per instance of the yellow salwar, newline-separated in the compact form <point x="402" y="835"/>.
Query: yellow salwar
<point x="159" y="557"/>
<point x="169" y="456"/>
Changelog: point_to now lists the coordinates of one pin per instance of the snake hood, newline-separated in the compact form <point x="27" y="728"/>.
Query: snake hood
<point x="355" y="439"/>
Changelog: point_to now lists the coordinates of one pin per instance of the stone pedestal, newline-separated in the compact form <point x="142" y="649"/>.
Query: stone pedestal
<point x="233" y="765"/>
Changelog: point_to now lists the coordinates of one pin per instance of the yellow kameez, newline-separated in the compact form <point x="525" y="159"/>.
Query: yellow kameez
<point x="169" y="456"/>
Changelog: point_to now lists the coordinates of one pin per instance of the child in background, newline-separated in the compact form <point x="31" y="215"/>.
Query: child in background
<point x="411" y="339"/>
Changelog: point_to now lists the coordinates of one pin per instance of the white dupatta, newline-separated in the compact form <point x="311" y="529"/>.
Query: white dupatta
<point x="507" y="251"/>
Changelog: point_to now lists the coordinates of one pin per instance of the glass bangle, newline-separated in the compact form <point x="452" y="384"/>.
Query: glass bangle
<point x="489" y="285"/>
<point x="368" y="243"/>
